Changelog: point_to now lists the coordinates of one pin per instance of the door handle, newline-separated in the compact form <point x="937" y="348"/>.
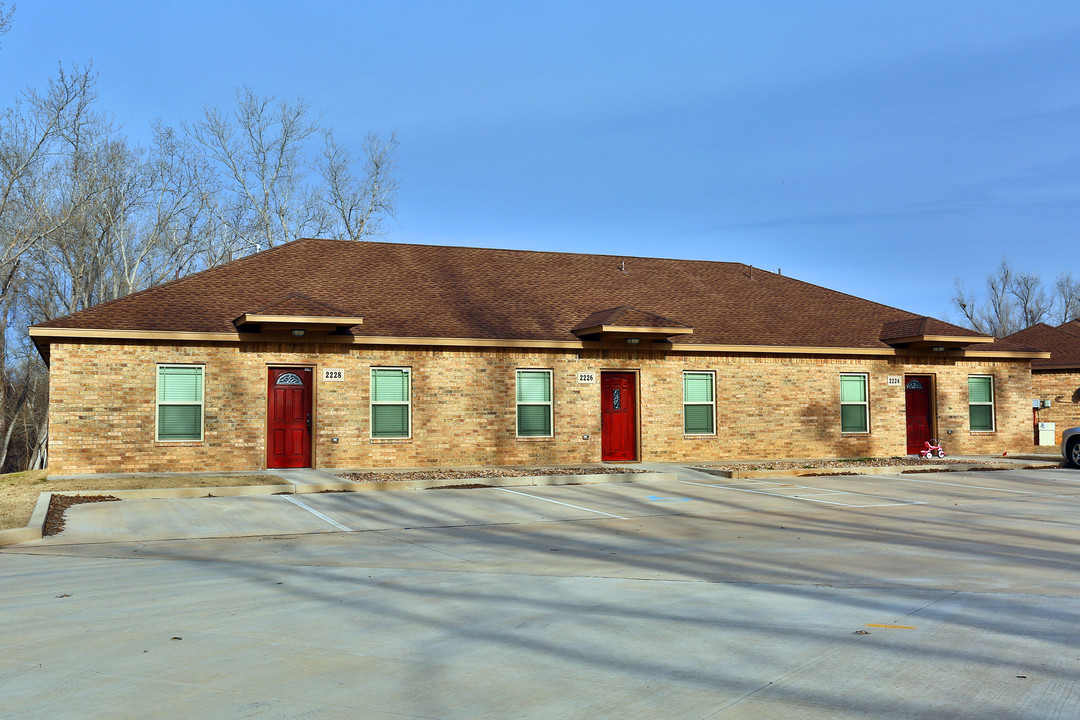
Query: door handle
<point x="309" y="422"/>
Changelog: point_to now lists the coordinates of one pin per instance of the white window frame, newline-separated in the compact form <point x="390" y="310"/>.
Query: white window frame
<point x="991" y="404"/>
<point x="712" y="403"/>
<point x="158" y="403"/>
<point x="372" y="403"/>
<point x="864" y="403"/>
<point x="550" y="402"/>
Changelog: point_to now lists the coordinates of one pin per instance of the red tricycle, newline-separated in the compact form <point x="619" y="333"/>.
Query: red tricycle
<point x="931" y="449"/>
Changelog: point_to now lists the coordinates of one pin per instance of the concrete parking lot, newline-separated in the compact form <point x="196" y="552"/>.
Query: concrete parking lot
<point x="890" y="596"/>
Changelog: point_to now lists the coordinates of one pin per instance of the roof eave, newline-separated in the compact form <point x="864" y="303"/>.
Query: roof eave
<point x="1008" y="354"/>
<point x="42" y="336"/>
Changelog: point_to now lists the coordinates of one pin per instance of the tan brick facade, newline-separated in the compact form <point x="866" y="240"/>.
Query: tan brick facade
<point x="1062" y="389"/>
<point x="463" y="405"/>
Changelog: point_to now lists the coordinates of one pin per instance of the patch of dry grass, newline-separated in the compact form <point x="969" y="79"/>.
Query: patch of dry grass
<point x="19" y="491"/>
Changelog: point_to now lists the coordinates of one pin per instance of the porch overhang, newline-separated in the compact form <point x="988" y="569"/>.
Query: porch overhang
<point x="253" y="324"/>
<point x="627" y="322"/>
<point x="631" y="331"/>
<point x="924" y="332"/>
<point x="948" y="342"/>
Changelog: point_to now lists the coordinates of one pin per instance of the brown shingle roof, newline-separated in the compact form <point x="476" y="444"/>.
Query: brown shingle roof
<point x="461" y="292"/>
<point x="297" y="304"/>
<point x="1064" y="347"/>
<point x="1072" y="326"/>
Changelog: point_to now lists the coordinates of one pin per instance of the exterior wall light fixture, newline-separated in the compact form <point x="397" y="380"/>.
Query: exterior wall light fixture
<point x="938" y="348"/>
<point x="633" y="341"/>
<point x="298" y="332"/>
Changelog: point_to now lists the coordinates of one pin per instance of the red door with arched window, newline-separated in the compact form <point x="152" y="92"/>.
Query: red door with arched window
<point x="920" y="412"/>
<point x="288" y="410"/>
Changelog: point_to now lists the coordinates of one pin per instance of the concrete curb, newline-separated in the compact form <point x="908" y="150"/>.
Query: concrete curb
<point x="858" y="470"/>
<point x="523" y="480"/>
<point x="35" y="528"/>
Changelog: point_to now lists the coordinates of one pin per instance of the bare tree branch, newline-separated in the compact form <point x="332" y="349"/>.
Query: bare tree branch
<point x="5" y="18"/>
<point x="967" y="306"/>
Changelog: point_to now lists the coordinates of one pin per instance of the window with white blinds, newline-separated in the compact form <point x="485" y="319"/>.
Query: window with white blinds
<point x="534" y="403"/>
<point x="981" y="403"/>
<point x="854" y="403"/>
<point x="699" y="403"/>
<point x="391" y="402"/>
<point x="179" y="402"/>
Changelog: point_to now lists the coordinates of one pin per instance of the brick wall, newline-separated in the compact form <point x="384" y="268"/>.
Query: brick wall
<point x="1062" y="389"/>
<point x="463" y="406"/>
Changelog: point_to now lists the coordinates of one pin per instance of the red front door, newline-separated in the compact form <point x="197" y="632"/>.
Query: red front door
<point x="920" y="421"/>
<point x="618" y="417"/>
<point x="288" y="406"/>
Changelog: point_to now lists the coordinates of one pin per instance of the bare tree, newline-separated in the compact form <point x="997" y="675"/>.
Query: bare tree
<point x="1032" y="302"/>
<point x="32" y="135"/>
<point x="1014" y="301"/>
<point x="264" y="199"/>
<point x="30" y="132"/>
<point x="997" y="314"/>
<point x="265" y="194"/>
<point x="1066" y="299"/>
<point x="163" y="225"/>
<point x="86" y="216"/>
<point x="360" y="203"/>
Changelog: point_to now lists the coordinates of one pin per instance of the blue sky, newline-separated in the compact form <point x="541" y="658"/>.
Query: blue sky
<point x="880" y="149"/>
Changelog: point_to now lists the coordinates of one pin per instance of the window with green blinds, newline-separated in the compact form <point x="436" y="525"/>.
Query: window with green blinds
<point x="391" y="402"/>
<point x="699" y="403"/>
<point x="854" y="407"/>
<point x="534" y="403"/>
<point x="981" y="402"/>
<point x="179" y="402"/>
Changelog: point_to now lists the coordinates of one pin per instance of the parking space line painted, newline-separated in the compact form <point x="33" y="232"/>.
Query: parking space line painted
<point x="316" y="513"/>
<point x="576" y="507"/>
<point x="976" y="487"/>
<point x="750" y="482"/>
<point x="762" y="492"/>
<point x="809" y="498"/>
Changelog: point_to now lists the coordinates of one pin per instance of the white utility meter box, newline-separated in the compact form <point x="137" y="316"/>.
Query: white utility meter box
<point x="1046" y="433"/>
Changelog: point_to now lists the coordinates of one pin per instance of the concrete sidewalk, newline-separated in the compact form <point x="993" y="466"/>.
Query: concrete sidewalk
<point x="147" y="509"/>
<point x="161" y="520"/>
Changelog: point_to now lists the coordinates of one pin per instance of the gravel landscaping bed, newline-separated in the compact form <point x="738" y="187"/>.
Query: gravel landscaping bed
<point x="54" y="520"/>
<point x="860" y="462"/>
<point x="437" y="474"/>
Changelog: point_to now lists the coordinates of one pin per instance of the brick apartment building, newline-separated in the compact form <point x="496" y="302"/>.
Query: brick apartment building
<point x="1055" y="381"/>
<point x="334" y="354"/>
